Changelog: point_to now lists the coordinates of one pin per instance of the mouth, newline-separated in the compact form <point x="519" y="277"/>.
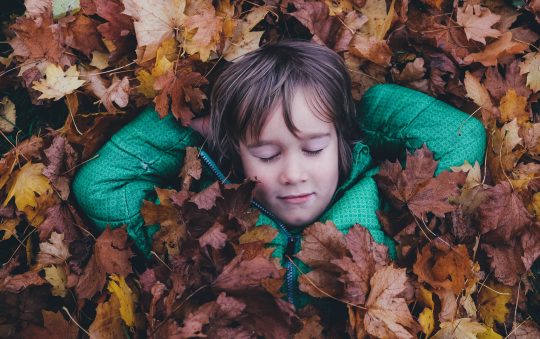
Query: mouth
<point x="296" y="198"/>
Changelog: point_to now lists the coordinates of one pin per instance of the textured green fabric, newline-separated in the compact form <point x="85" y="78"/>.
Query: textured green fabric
<point x="149" y="152"/>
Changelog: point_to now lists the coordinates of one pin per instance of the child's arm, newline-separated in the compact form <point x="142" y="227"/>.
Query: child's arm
<point x="146" y="153"/>
<point x="394" y="118"/>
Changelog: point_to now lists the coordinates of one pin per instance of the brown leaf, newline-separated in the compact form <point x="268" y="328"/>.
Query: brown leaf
<point x="55" y="326"/>
<point x="19" y="282"/>
<point x="321" y="244"/>
<point x="530" y="242"/>
<point x="387" y="313"/>
<point x="54" y="251"/>
<point x="113" y="252"/>
<point x="367" y="257"/>
<point x="39" y="39"/>
<point x="244" y="276"/>
<point x="524" y="330"/>
<point x="92" y="280"/>
<point x="107" y="324"/>
<point x="191" y="169"/>
<point x="180" y="93"/>
<point x="477" y="22"/>
<point x="493" y="52"/>
<point x="312" y="329"/>
<point x="81" y="33"/>
<point x="506" y="262"/>
<point x="503" y="214"/>
<point x="214" y="237"/>
<point x="118" y="92"/>
<point x="370" y="48"/>
<point x="445" y="269"/>
<point x="206" y="199"/>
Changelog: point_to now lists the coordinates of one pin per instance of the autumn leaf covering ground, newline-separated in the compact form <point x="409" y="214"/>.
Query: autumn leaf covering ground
<point x="466" y="241"/>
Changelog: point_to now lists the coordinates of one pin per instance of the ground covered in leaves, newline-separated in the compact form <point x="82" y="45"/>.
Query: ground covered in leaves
<point x="73" y="72"/>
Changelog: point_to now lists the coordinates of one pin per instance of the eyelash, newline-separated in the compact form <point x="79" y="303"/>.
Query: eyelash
<point x="308" y="153"/>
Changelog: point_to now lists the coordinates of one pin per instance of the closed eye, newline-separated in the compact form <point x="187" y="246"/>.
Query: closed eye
<point x="308" y="153"/>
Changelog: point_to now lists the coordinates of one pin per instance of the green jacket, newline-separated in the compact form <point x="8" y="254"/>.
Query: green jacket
<point x="149" y="152"/>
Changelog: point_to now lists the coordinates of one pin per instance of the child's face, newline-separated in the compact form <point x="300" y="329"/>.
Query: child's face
<point x="297" y="176"/>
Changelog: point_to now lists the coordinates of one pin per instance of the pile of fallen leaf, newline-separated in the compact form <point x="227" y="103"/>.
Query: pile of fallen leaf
<point x="467" y="240"/>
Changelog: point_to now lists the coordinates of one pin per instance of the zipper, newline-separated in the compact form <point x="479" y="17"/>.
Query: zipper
<point x="292" y="240"/>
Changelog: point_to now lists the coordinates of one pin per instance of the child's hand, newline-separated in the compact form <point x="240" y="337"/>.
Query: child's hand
<point x="201" y="125"/>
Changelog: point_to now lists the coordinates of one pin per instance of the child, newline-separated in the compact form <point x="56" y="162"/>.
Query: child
<point x="282" y="115"/>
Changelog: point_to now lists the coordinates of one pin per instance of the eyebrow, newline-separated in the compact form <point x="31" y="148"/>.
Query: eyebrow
<point x="308" y="136"/>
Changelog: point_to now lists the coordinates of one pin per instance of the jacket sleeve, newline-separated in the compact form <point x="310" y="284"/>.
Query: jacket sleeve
<point x="146" y="153"/>
<point x="394" y="118"/>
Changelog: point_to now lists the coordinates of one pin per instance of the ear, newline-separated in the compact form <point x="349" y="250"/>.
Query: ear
<point x="201" y="125"/>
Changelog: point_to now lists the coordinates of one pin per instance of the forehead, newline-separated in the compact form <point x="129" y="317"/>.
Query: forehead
<point x="306" y="117"/>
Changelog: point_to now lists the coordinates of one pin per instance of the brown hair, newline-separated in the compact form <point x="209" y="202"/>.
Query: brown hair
<point x="252" y="86"/>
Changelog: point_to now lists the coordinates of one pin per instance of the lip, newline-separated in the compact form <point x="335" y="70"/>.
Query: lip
<point x="296" y="199"/>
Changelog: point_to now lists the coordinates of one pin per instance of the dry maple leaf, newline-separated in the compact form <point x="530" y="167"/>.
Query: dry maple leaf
<point x="243" y="40"/>
<point x="492" y="303"/>
<point x="19" y="282"/>
<point x="154" y="23"/>
<point x="180" y="93"/>
<point x="54" y="251"/>
<point x="531" y="67"/>
<point x="203" y="32"/>
<point x="54" y="326"/>
<point x="367" y="257"/>
<point x="113" y="251"/>
<point x="450" y="269"/>
<point x="477" y="22"/>
<point x="107" y="323"/>
<point x="80" y="33"/>
<point x="7" y="115"/>
<point x="27" y="181"/>
<point x="126" y="298"/>
<point x="321" y="244"/>
<point x="504" y="46"/>
<point x="503" y="214"/>
<point x="506" y="262"/>
<point x="192" y="169"/>
<point x="463" y="328"/>
<point x="58" y="83"/>
<point x="118" y="92"/>
<point x="241" y="276"/>
<point x="513" y="106"/>
<point x="39" y="39"/>
<point x="387" y="312"/>
<point x="415" y="185"/>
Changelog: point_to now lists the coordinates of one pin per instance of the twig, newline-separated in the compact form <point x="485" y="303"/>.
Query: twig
<point x="76" y="323"/>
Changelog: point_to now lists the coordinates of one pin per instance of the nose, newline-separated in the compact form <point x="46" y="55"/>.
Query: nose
<point x="293" y="172"/>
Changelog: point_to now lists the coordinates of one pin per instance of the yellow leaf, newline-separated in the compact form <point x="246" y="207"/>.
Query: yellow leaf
<point x="426" y="320"/>
<point x="7" y="115"/>
<point x="56" y="276"/>
<point x="383" y="29"/>
<point x="489" y="334"/>
<point x="477" y="92"/>
<point x="203" y="33"/>
<point x="107" y="323"/>
<point x="100" y="60"/>
<point x="165" y="53"/>
<point x="57" y="83"/>
<point x="376" y="12"/>
<point x="462" y="328"/>
<point x="474" y="175"/>
<point x="513" y="106"/>
<point x="492" y="305"/>
<point x="27" y="181"/>
<point x="126" y="297"/>
<point x="426" y="297"/>
<point x="536" y="205"/>
<point x="339" y="6"/>
<point x="243" y="40"/>
<point x="8" y="226"/>
<point x="531" y="65"/>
